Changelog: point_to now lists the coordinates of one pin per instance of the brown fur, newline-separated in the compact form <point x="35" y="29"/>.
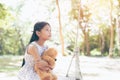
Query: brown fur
<point x="49" y="55"/>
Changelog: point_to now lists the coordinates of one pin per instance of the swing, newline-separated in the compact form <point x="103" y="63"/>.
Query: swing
<point x="78" y="75"/>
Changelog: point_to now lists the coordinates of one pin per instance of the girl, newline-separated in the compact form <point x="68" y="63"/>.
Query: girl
<point x="41" y="33"/>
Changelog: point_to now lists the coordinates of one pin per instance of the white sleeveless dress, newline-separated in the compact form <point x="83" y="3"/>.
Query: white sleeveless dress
<point x="27" y="72"/>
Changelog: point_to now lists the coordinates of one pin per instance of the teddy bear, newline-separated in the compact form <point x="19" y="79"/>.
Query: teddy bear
<point x="49" y="56"/>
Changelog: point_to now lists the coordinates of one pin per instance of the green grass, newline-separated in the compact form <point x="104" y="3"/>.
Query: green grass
<point x="10" y="63"/>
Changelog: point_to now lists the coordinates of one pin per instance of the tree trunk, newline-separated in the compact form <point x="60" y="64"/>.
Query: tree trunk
<point x="84" y="49"/>
<point x="83" y="28"/>
<point x="21" y="41"/>
<point x="60" y="28"/>
<point x="118" y="33"/>
<point x="111" y="32"/>
<point x="87" y="44"/>
<point x="102" y="43"/>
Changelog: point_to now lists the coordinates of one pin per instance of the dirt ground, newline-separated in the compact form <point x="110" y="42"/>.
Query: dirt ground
<point x="91" y="68"/>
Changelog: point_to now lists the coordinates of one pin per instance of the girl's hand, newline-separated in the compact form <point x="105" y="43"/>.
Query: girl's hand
<point x="51" y="67"/>
<point x="42" y="65"/>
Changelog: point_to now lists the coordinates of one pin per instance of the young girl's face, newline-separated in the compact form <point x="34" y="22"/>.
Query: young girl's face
<point x="45" y="33"/>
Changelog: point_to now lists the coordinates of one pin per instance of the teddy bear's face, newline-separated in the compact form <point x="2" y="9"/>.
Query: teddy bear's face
<point x="51" y="52"/>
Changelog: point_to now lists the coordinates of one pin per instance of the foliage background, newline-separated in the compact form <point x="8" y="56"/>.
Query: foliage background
<point x="17" y="18"/>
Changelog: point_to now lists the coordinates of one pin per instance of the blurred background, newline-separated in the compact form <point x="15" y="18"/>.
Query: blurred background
<point x="97" y="22"/>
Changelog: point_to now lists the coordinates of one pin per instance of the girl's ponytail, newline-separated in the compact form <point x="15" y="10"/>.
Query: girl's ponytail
<point x="34" y="37"/>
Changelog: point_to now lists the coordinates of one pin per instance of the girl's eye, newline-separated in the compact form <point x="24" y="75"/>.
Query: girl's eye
<point x="48" y="30"/>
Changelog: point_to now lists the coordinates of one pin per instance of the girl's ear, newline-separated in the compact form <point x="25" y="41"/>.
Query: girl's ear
<point x="38" y="33"/>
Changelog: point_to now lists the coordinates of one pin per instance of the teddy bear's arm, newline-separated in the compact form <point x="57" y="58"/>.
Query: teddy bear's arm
<point x="50" y="60"/>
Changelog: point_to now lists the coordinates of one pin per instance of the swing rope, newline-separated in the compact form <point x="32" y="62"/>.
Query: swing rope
<point x="77" y="65"/>
<point x="78" y="75"/>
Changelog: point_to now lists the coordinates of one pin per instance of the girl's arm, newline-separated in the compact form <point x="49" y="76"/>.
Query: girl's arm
<point x="32" y="50"/>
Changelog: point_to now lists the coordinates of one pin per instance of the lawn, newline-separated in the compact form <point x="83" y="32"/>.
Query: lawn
<point x="9" y="65"/>
<point x="92" y="68"/>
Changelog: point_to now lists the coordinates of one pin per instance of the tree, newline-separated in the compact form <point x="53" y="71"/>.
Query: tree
<point x="111" y="30"/>
<point x="10" y="38"/>
<point x="118" y="27"/>
<point x="60" y="28"/>
<point x="118" y="34"/>
<point x="81" y="14"/>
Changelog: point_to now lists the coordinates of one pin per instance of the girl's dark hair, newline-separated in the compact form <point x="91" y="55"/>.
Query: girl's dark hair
<point x="37" y="27"/>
